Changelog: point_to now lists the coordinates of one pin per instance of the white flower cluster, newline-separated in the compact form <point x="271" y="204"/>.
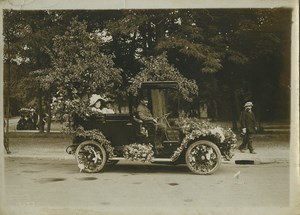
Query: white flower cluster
<point x="217" y="131"/>
<point x="138" y="152"/>
<point x="194" y="128"/>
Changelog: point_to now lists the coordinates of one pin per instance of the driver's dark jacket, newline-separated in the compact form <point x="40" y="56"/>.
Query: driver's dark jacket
<point x="144" y="113"/>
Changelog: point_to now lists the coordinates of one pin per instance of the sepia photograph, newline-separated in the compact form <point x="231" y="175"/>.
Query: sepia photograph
<point x="132" y="107"/>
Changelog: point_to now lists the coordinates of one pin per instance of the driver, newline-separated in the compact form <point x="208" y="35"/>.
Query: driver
<point x="145" y="115"/>
<point x="143" y="111"/>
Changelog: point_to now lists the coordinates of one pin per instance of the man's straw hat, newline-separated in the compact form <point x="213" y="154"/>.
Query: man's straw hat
<point x="248" y="104"/>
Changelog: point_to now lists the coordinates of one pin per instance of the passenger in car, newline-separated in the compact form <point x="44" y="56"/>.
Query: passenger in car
<point x="98" y="104"/>
<point x="106" y="107"/>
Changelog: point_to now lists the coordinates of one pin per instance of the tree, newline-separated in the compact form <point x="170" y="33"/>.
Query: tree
<point x="148" y="33"/>
<point x="30" y="30"/>
<point x="79" y="69"/>
<point x="187" y="36"/>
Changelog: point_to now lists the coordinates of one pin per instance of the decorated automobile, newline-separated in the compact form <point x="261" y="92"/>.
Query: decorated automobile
<point x="171" y="137"/>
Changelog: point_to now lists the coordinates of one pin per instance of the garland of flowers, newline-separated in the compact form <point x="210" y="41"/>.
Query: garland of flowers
<point x="138" y="152"/>
<point x="96" y="135"/>
<point x="194" y="128"/>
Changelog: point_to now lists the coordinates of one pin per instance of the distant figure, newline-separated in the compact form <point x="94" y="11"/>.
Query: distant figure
<point x="42" y="122"/>
<point x="194" y="113"/>
<point x="248" y="125"/>
<point x="34" y="116"/>
<point x="203" y="111"/>
<point x="21" y="123"/>
<point x="29" y="125"/>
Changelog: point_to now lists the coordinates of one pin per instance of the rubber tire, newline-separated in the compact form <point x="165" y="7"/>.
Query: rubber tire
<point x="207" y="143"/>
<point x="103" y="152"/>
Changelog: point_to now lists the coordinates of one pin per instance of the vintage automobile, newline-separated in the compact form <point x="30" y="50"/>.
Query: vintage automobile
<point x="125" y="136"/>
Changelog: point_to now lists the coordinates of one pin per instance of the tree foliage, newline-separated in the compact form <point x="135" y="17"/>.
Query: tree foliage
<point x="147" y="32"/>
<point x="233" y="55"/>
<point x="79" y="69"/>
<point x="158" y="69"/>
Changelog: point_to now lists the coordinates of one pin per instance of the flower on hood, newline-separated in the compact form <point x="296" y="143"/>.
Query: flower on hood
<point x="194" y="128"/>
<point x="218" y="132"/>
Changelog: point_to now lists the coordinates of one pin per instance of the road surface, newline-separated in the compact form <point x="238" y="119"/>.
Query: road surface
<point x="52" y="186"/>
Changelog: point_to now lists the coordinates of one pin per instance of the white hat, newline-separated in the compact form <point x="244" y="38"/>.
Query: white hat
<point x="248" y="104"/>
<point x="94" y="98"/>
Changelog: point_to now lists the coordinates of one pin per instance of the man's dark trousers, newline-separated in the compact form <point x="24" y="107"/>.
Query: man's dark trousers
<point x="247" y="142"/>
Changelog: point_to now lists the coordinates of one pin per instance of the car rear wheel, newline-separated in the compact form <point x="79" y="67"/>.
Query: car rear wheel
<point x="90" y="156"/>
<point x="203" y="157"/>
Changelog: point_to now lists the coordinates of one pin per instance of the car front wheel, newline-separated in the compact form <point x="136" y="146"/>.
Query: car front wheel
<point x="203" y="157"/>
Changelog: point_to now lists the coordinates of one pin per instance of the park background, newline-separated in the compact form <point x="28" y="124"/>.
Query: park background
<point x="224" y="57"/>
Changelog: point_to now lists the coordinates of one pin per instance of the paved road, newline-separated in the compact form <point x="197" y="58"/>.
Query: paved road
<point x="40" y="178"/>
<point x="50" y="186"/>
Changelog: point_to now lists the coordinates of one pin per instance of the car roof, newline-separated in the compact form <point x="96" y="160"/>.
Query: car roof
<point x="160" y="85"/>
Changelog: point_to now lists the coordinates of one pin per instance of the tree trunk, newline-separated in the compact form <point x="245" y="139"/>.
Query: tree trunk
<point x="234" y="108"/>
<point x="237" y="108"/>
<point x="234" y="120"/>
<point x="49" y="116"/>
<point x="216" y="112"/>
<point x="7" y="101"/>
<point x="41" y="113"/>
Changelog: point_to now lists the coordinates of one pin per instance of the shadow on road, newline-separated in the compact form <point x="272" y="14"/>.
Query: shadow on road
<point x="147" y="168"/>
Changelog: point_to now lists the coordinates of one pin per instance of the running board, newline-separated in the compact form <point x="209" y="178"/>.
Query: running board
<point x="116" y="158"/>
<point x="153" y="160"/>
<point x="161" y="160"/>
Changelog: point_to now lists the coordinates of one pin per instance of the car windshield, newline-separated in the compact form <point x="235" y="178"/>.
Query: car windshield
<point x="162" y="101"/>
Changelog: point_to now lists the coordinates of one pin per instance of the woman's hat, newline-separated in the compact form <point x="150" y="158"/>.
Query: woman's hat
<point x="248" y="104"/>
<point x="95" y="97"/>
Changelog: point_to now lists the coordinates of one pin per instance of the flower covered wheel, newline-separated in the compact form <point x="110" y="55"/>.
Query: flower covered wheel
<point x="90" y="156"/>
<point x="203" y="157"/>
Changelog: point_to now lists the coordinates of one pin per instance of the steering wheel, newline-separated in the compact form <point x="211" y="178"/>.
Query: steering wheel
<point x="164" y="117"/>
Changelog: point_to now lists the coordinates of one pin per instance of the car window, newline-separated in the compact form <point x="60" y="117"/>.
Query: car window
<point x="120" y="106"/>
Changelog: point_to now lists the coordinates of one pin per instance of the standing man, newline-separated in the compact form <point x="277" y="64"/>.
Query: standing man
<point x="248" y="125"/>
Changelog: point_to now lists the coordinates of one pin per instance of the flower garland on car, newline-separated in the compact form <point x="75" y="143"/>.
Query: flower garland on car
<point x="194" y="128"/>
<point x="138" y="152"/>
<point x="96" y="135"/>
